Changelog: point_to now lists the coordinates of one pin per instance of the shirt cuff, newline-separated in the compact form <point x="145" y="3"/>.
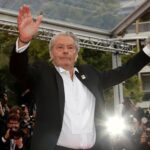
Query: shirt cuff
<point x="3" y="140"/>
<point x="146" y="50"/>
<point x="21" y="49"/>
<point x="20" y="147"/>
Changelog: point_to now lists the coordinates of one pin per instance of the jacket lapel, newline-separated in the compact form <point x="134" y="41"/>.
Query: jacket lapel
<point x="84" y="78"/>
<point x="61" y="94"/>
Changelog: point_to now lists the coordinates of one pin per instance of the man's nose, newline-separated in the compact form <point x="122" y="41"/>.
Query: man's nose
<point x="65" y="50"/>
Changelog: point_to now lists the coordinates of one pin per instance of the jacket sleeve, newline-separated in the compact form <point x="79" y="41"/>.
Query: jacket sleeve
<point x="18" y="66"/>
<point x="133" y="66"/>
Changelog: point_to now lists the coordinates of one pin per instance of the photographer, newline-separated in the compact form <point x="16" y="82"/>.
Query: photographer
<point x="1" y="111"/>
<point x="27" y="121"/>
<point x="145" y="136"/>
<point x="12" y="136"/>
<point x="4" y="109"/>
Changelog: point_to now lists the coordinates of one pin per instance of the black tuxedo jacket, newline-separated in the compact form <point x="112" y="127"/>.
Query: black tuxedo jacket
<point x="47" y="87"/>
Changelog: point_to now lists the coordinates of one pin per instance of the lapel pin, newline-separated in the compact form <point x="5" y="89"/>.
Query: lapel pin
<point x="83" y="77"/>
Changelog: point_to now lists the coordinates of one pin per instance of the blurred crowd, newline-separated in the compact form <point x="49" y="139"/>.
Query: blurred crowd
<point x="138" y="122"/>
<point x="16" y="125"/>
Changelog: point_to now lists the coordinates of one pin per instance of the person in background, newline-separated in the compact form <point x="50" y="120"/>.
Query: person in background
<point x="4" y="102"/>
<point x="4" y="108"/>
<point x="11" y="137"/>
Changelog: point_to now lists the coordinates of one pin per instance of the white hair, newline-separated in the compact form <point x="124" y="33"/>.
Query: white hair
<point x="148" y="40"/>
<point x="70" y="34"/>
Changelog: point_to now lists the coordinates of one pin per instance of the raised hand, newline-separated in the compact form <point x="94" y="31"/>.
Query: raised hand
<point x="27" y="27"/>
<point x="7" y="134"/>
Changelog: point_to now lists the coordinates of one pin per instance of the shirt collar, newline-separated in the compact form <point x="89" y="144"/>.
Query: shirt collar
<point x="61" y="70"/>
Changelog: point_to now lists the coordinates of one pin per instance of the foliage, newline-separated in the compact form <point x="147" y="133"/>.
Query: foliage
<point x="98" y="59"/>
<point x="132" y="87"/>
<point x="39" y="50"/>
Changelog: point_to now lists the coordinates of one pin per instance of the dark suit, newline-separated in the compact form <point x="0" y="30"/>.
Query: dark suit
<point x="47" y="87"/>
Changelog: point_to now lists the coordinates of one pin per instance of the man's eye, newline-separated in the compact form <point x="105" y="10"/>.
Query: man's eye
<point x="60" y="47"/>
<point x="70" y="47"/>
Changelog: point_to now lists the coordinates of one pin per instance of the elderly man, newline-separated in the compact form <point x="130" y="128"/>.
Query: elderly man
<point x="67" y="97"/>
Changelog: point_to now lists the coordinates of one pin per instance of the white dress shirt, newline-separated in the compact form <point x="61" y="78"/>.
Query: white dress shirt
<point x="12" y="144"/>
<point x="78" y="129"/>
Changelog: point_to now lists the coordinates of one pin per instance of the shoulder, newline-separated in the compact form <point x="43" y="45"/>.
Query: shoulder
<point x="85" y="67"/>
<point x="89" y="70"/>
<point x="39" y="68"/>
<point x="41" y="64"/>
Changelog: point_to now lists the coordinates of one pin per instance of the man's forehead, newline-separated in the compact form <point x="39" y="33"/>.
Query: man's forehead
<point x="13" y="121"/>
<point x="64" y="39"/>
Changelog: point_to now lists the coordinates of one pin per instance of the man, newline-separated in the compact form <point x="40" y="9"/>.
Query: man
<point x="67" y="97"/>
<point x="4" y="108"/>
<point x="12" y="137"/>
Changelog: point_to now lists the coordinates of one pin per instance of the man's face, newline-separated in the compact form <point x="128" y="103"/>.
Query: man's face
<point x="64" y="52"/>
<point x="13" y="125"/>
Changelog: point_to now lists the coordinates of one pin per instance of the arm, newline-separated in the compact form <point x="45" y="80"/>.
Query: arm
<point x="133" y="66"/>
<point x="27" y="28"/>
<point x="1" y="110"/>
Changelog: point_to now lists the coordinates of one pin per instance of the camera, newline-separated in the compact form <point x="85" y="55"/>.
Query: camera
<point x="15" y="134"/>
<point x="29" y="124"/>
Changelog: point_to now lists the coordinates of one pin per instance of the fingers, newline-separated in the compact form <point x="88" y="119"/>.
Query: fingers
<point x="19" y="20"/>
<point x="7" y="134"/>
<point x="24" y="12"/>
<point x="38" y="21"/>
<point x="26" y="9"/>
<point x="26" y="25"/>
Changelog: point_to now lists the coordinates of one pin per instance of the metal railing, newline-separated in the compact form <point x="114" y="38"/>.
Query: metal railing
<point x="85" y="41"/>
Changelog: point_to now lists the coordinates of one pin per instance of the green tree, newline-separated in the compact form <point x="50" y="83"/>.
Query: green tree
<point x="132" y="86"/>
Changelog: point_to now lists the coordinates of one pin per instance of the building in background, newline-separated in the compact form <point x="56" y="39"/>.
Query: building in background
<point x="135" y="29"/>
